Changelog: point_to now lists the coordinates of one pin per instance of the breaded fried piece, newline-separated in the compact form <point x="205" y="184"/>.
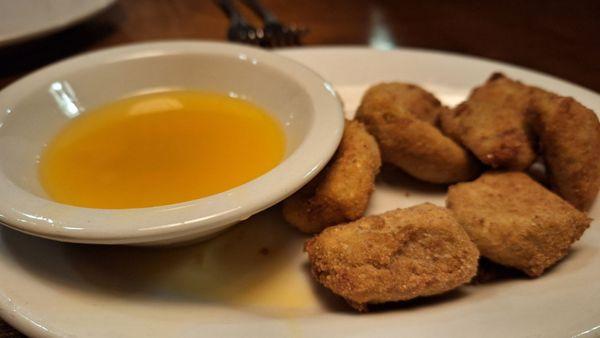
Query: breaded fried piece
<point x="570" y="138"/>
<point x="497" y="91"/>
<point x="514" y="221"/>
<point x="501" y="90"/>
<point x="493" y="123"/>
<point x="342" y="191"/>
<point x="495" y="134"/>
<point x="394" y="96"/>
<point x="395" y="256"/>
<point x="417" y="147"/>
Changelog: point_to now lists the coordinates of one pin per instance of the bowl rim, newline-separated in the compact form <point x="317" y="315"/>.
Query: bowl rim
<point x="29" y="213"/>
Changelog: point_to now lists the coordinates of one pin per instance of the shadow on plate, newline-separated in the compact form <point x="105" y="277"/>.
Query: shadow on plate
<point x="490" y="272"/>
<point x="255" y="265"/>
<point x="420" y="302"/>
<point x="328" y="300"/>
<point x="398" y="179"/>
<point x="258" y="266"/>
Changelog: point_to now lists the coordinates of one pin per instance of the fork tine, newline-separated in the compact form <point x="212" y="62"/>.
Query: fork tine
<point x="275" y="41"/>
<point x="299" y="32"/>
<point x="295" y="34"/>
<point x="290" y="37"/>
<point x="271" y="40"/>
<point x="276" y="33"/>
<point x="239" y="29"/>
<point x="295" y="39"/>
<point x="281" y="42"/>
<point x="282" y="38"/>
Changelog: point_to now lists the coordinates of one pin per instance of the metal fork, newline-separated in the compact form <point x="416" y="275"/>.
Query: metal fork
<point x="239" y="29"/>
<point x="275" y="33"/>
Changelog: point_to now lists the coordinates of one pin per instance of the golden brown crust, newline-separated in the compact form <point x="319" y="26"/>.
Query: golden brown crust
<point x="570" y="138"/>
<point x="395" y="256"/>
<point x="501" y="90"/>
<point x="342" y="191"/>
<point x="394" y="96"/>
<point x="515" y="221"/>
<point x="493" y="123"/>
<point x="412" y="144"/>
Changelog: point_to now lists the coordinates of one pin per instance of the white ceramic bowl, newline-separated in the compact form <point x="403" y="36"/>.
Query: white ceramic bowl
<point x="303" y="102"/>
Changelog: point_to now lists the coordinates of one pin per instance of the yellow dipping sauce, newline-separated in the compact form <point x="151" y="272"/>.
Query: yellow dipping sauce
<point x="160" y="148"/>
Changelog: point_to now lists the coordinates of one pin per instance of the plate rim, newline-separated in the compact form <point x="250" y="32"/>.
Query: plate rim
<point x="351" y="48"/>
<point x="18" y="320"/>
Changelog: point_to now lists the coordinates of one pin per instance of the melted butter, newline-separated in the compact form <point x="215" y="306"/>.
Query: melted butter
<point x="159" y="149"/>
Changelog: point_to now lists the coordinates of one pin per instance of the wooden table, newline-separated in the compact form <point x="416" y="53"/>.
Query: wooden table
<point x="561" y="38"/>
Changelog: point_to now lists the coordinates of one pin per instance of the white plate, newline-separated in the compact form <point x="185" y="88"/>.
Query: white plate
<point x="253" y="282"/>
<point x="25" y="19"/>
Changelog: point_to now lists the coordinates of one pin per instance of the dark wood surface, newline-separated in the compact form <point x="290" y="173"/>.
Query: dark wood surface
<point x="561" y="38"/>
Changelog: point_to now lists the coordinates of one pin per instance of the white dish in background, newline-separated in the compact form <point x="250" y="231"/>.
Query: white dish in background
<point x="55" y="289"/>
<point x="22" y="20"/>
<point x="36" y="107"/>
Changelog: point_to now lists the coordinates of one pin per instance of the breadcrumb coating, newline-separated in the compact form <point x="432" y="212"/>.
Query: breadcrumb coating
<point x="398" y="255"/>
<point x="494" y="123"/>
<point x="342" y="191"/>
<point x="570" y="140"/>
<point x="515" y="221"/>
<point x="411" y="142"/>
